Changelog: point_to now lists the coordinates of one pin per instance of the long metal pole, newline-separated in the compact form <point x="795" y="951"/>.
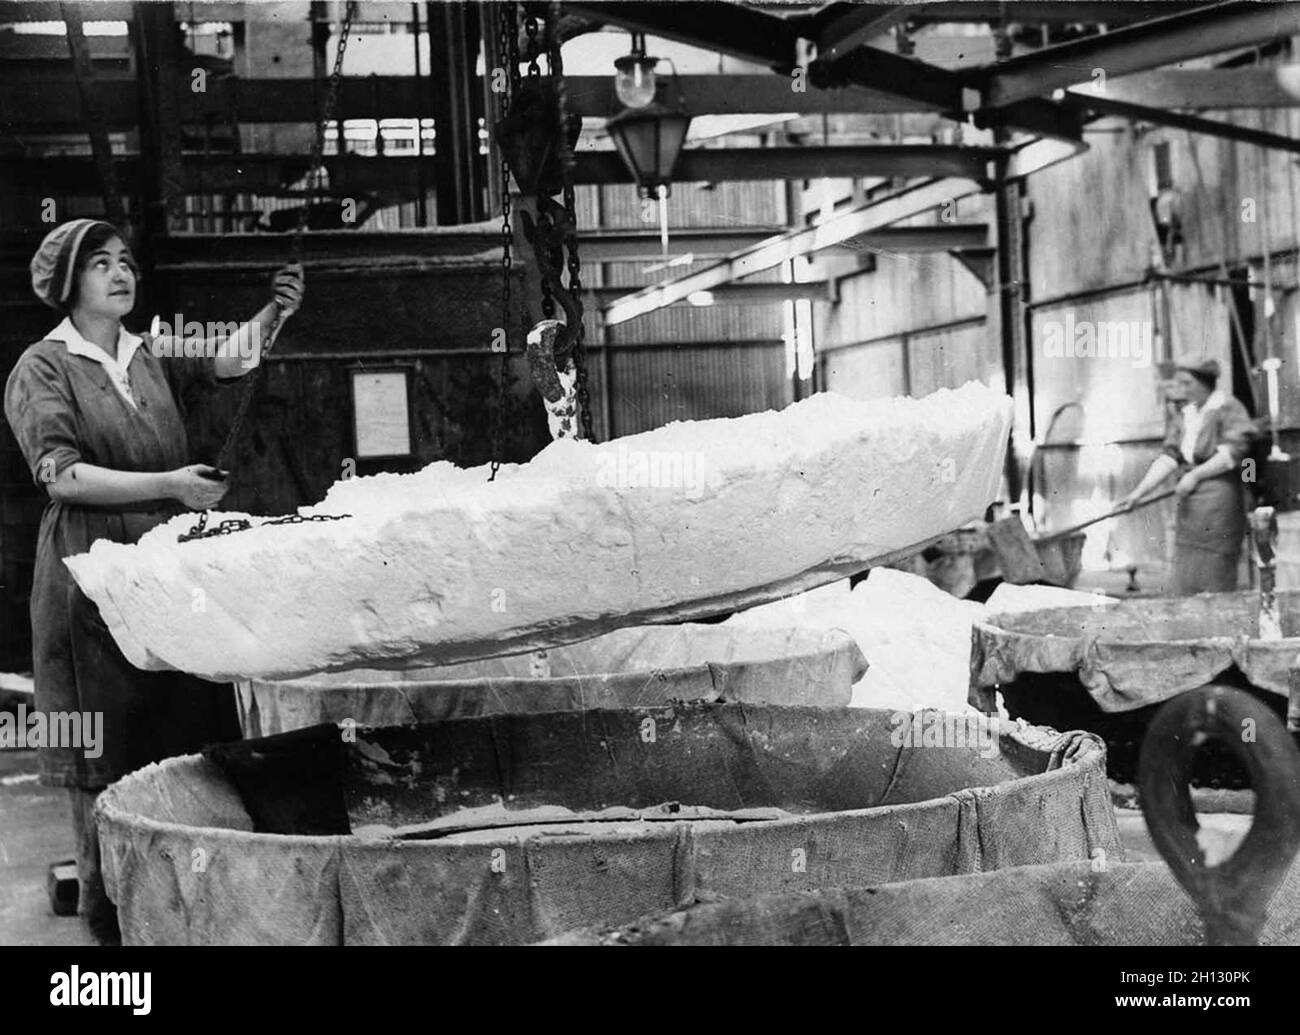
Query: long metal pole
<point x="421" y="202"/>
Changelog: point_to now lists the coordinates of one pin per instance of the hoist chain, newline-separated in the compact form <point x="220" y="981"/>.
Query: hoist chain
<point x="233" y="525"/>
<point x="249" y="387"/>
<point x="556" y="63"/>
<point x="507" y="51"/>
<point x="534" y="53"/>
<point x="531" y="28"/>
<point x="295" y="243"/>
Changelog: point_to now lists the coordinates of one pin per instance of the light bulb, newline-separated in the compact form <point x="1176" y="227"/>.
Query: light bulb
<point x="634" y="82"/>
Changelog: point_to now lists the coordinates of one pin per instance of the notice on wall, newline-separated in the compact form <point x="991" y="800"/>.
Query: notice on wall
<point x="380" y="413"/>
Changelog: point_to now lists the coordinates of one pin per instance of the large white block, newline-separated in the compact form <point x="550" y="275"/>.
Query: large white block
<point x="442" y="566"/>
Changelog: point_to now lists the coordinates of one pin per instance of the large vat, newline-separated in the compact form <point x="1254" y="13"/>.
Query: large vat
<point x="1250" y="897"/>
<point x="515" y="828"/>
<point x="1108" y="669"/>
<point x="1057" y="904"/>
<point x="628" y="668"/>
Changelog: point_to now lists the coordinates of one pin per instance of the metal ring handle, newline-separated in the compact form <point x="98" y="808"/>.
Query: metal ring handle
<point x="1233" y="896"/>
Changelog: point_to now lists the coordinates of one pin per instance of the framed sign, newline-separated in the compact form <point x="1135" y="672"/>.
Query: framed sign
<point x="381" y="413"/>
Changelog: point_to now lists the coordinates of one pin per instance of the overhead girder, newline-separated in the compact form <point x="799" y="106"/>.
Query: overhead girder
<point x="1146" y="45"/>
<point x="842" y="227"/>
<point x="1101" y="104"/>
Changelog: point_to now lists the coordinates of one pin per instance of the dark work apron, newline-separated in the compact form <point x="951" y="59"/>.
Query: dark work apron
<point x="64" y="407"/>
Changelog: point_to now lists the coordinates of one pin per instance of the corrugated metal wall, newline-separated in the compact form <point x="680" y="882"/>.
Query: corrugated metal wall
<point x="683" y="362"/>
<point x="913" y="324"/>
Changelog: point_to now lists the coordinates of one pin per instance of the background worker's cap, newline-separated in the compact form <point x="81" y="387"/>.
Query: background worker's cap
<point x="1203" y="367"/>
<point x="53" y="266"/>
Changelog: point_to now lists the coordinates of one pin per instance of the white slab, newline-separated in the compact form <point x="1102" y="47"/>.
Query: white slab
<point x="442" y="566"/>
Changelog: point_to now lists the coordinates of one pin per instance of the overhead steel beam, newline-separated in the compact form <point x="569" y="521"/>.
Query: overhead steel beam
<point x="644" y="245"/>
<point x="265" y="174"/>
<point x="930" y="88"/>
<point x="726" y="28"/>
<point x="1085" y="100"/>
<point x="51" y="11"/>
<point x="1112" y="12"/>
<point x="1151" y="44"/>
<point x="800" y="163"/>
<point x="726" y="294"/>
<point x="204" y="11"/>
<point x="911" y="201"/>
<point x="47" y="102"/>
<point x="945" y="237"/>
<point x="1026" y="12"/>
<point x="853" y="25"/>
<point x="737" y="94"/>
<point x="1039" y="154"/>
<point x="1223" y="88"/>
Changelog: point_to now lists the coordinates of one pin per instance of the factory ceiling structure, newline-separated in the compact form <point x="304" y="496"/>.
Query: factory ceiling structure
<point x="992" y="115"/>
<point x="1036" y="93"/>
<point x="1056" y="67"/>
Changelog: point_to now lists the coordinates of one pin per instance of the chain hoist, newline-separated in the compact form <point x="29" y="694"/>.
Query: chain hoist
<point x="317" y="162"/>
<point x="534" y="53"/>
<point x="556" y="62"/>
<point x="508" y="51"/>
<point x="295" y="243"/>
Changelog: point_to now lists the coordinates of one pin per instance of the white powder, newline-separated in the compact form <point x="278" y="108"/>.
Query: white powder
<point x="916" y="637"/>
<point x="443" y="566"/>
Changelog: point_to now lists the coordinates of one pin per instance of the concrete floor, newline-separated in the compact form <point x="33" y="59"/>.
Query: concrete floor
<point x="35" y="830"/>
<point x="1218" y="837"/>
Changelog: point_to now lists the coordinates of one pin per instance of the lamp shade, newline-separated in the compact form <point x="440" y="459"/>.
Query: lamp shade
<point x="649" y="140"/>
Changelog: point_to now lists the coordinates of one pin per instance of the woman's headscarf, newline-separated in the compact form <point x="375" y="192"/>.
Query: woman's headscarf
<point x="54" y="266"/>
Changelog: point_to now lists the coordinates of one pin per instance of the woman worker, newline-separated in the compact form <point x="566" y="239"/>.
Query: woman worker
<point x="1206" y="441"/>
<point x="97" y="412"/>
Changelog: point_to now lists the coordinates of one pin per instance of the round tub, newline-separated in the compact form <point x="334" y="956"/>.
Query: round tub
<point x="639" y="667"/>
<point x="1057" y="904"/>
<point x="508" y="829"/>
<point x="1107" y="669"/>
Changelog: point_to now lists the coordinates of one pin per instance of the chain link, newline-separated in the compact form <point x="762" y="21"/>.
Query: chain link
<point x="534" y="51"/>
<point x="507" y="51"/>
<point x="232" y="525"/>
<point x="295" y="244"/>
<point x="317" y="162"/>
<point x="556" y="62"/>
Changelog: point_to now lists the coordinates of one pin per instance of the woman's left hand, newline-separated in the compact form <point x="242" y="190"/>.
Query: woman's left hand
<point x="1186" y="486"/>
<point x="289" y="286"/>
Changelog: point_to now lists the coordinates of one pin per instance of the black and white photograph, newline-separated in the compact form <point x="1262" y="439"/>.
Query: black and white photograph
<point x="640" y="473"/>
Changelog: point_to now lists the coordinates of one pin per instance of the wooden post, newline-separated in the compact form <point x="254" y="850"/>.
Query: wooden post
<point x="158" y="54"/>
<point x="489" y="15"/>
<point x="453" y="45"/>
<point x="1009" y="313"/>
